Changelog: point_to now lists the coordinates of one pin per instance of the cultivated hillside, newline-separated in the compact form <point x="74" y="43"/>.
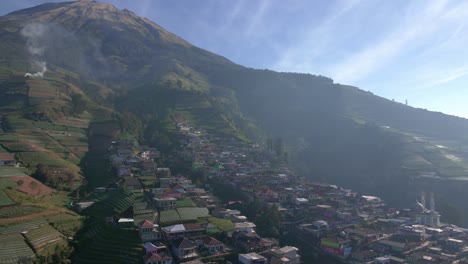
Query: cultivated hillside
<point x="135" y="76"/>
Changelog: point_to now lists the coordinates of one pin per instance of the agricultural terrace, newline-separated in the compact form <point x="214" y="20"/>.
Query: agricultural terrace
<point x="14" y="249"/>
<point x="66" y="223"/>
<point x="18" y="210"/>
<point x="31" y="186"/>
<point x="111" y="245"/>
<point x="17" y="228"/>
<point x="111" y="203"/>
<point x="41" y="236"/>
<point x="6" y="183"/>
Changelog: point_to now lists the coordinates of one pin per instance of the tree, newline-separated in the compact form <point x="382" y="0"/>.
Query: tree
<point x="78" y="103"/>
<point x="268" y="221"/>
<point x="40" y="173"/>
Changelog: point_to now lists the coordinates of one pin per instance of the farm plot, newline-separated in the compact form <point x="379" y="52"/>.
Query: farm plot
<point x="112" y="245"/>
<point x="31" y="186"/>
<point x="8" y="137"/>
<point x="46" y="158"/>
<point x="4" y="198"/>
<point x="41" y="236"/>
<point x="75" y="122"/>
<point x="16" y="123"/>
<point x="111" y="203"/>
<point x="43" y="89"/>
<point x="18" y="146"/>
<point x="13" y="249"/>
<point x="18" y="210"/>
<point x="17" y="228"/>
<point x="192" y="213"/>
<point x="11" y="171"/>
<point x="66" y="224"/>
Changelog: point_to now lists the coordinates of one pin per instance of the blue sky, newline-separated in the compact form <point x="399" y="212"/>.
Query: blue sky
<point x="399" y="49"/>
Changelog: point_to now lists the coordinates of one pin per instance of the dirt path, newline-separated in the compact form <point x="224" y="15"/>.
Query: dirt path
<point x="25" y="218"/>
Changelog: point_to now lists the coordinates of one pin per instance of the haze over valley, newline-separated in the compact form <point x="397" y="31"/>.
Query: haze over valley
<point x="105" y="113"/>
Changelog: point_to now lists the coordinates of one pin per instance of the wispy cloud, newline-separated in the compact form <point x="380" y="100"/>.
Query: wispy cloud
<point x="376" y="55"/>
<point x="257" y="18"/>
<point x="301" y="56"/>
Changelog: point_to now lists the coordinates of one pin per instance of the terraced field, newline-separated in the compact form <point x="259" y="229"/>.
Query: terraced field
<point x="18" y="210"/>
<point x="6" y="183"/>
<point x="66" y="224"/>
<point x="17" y="228"/>
<point x="13" y="249"/>
<point x="111" y="245"/>
<point x="41" y="236"/>
<point x="111" y="203"/>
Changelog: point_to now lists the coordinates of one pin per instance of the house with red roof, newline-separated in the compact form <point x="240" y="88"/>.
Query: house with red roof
<point x="7" y="159"/>
<point x="156" y="258"/>
<point x="148" y="231"/>
<point x="184" y="249"/>
<point x="213" y="245"/>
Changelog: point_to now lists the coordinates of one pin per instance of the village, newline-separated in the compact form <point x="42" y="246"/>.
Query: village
<point x="181" y="220"/>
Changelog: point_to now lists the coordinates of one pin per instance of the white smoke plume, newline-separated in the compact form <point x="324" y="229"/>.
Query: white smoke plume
<point x="35" y="35"/>
<point x="40" y="73"/>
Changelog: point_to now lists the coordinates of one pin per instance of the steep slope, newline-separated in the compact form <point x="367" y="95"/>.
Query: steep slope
<point x="145" y="76"/>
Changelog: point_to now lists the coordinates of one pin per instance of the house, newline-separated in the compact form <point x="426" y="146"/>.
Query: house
<point x="300" y="201"/>
<point x="132" y="184"/>
<point x="238" y="218"/>
<point x="251" y="242"/>
<point x="151" y="248"/>
<point x="179" y="188"/>
<point x="156" y="258"/>
<point x="183" y="230"/>
<point x="148" y="167"/>
<point x="252" y="258"/>
<point x="125" y="222"/>
<point x="148" y="231"/>
<point x="166" y="203"/>
<point x="169" y="193"/>
<point x="184" y="249"/>
<point x="7" y="159"/>
<point x="285" y="255"/>
<point x="212" y="244"/>
<point x="247" y="227"/>
<point x="336" y="246"/>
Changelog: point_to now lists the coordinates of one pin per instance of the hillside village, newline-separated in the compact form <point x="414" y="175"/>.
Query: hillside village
<point x="221" y="201"/>
<point x="180" y="221"/>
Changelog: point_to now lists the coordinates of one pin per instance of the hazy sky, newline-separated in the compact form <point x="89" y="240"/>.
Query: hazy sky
<point x="399" y="49"/>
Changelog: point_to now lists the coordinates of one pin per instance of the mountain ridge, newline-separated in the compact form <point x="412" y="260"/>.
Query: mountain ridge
<point x="145" y="76"/>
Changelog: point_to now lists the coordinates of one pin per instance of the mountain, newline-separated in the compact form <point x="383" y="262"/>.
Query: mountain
<point x="109" y="71"/>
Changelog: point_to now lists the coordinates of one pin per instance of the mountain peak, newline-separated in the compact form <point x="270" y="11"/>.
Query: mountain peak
<point x="76" y="15"/>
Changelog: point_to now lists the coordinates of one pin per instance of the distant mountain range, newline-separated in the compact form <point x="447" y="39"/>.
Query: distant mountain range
<point x="118" y="71"/>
